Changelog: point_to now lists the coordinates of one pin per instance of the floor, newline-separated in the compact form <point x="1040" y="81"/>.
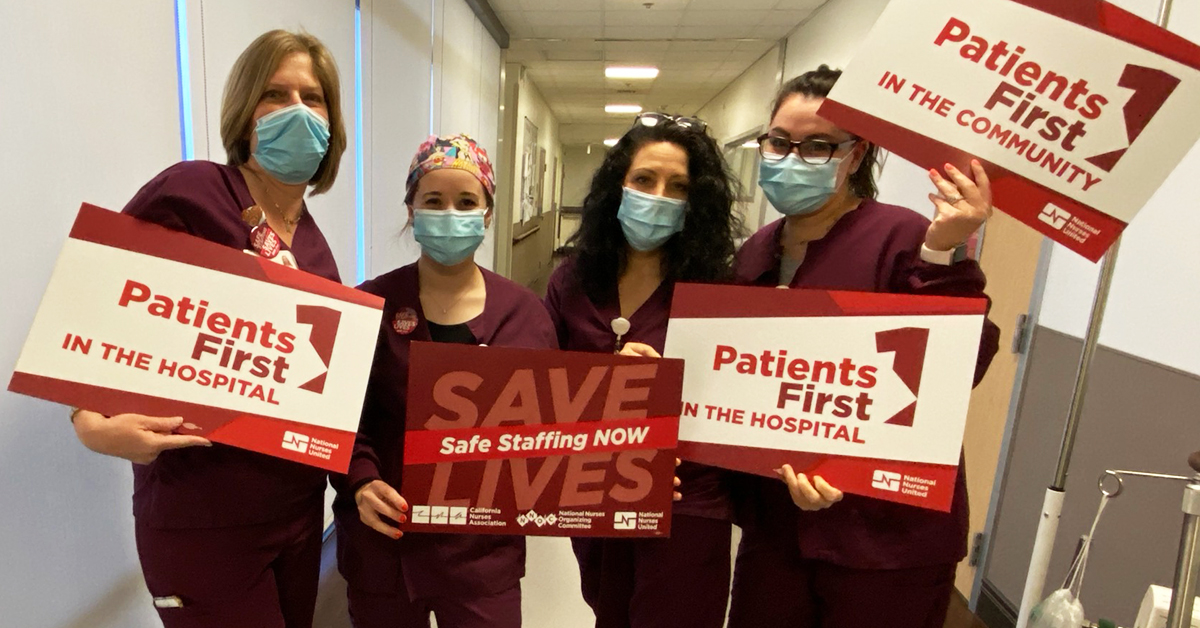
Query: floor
<point x="331" y="601"/>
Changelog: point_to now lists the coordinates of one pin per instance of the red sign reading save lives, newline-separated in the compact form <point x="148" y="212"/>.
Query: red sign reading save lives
<point x="536" y="442"/>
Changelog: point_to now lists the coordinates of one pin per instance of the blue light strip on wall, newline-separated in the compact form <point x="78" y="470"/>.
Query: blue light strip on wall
<point x="360" y="268"/>
<point x="183" y="67"/>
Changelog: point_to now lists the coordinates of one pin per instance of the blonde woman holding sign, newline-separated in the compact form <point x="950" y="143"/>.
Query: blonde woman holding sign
<point x="229" y="538"/>
<point x="810" y="556"/>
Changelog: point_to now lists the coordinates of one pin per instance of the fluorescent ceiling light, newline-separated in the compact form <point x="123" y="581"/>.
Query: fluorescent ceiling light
<point x="610" y="142"/>
<point x="750" y="144"/>
<point x="622" y="108"/>
<point x="630" y="73"/>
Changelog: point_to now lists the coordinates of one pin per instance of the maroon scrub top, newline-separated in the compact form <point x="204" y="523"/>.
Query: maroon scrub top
<point x="202" y="487"/>
<point x="429" y="565"/>
<point x="584" y="323"/>
<point x="875" y="248"/>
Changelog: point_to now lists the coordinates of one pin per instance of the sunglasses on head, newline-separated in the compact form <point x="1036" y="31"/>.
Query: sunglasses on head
<point x="654" y="118"/>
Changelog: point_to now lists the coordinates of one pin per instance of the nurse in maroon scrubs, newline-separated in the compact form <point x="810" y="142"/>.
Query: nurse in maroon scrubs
<point x="659" y="211"/>
<point x="395" y="580"/>
<point x="810" y="556"/>
<point x="229" y="538"/>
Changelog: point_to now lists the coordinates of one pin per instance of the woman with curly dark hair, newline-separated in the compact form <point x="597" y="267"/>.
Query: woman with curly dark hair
<point x="660" y="211"/>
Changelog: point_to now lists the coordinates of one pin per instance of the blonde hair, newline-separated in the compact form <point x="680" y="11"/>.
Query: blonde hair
<point x="247" y="82"/>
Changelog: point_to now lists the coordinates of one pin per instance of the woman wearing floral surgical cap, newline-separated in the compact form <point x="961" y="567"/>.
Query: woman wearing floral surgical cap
<point x="463" y="580"/>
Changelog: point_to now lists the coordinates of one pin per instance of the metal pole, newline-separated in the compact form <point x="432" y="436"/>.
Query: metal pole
<point x="1187" y="568"/>
<point x="1043" y="547"/>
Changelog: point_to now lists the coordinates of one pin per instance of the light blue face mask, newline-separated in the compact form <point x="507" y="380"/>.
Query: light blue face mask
<point x="648" y="220"/>
<point x="795" y="187"/>
<point x="448" y="236"/>
<point x="291" y="143"/>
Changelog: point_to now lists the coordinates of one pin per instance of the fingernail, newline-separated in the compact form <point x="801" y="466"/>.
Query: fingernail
<point x="403" y="519"/>
<point x="779" y="471"/>
<point x="398" y="535"/>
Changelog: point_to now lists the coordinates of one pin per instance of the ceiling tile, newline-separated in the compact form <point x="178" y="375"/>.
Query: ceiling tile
<point x="637" y="46"/>
<point x="715" y="32"/>
<point x="724" y="18"/>
<point x="793" y="17"/>
<point x="500" y="6"/>
<point x="808" y="5"/>
<point x="642" y="18"/>
<point x="562" y="18"/>
<point x="718" y="5"/>
<point x="659" y="5"/>
<point x="639" y="32"/>
<point x="557" y="5"/>
<point x="574" y="55"/>
<point x="698" y="55"/>
<point x="568" y="32"/>
<point x="706" y="45"/>
<point x="525" y="56"/>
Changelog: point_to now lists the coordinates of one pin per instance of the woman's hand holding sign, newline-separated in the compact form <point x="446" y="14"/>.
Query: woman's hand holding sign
<point x="814" y="495"/>
<point x="376" y="498"/>
<point x="962" y="206"/>
<point x="134" y="437"/>
<point x="641" y="350"/>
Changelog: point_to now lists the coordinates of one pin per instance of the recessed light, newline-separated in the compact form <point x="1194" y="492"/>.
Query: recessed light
<point x="622" y="108"/>
<point x="610" y="142"/>
<point x="616" y="72"/>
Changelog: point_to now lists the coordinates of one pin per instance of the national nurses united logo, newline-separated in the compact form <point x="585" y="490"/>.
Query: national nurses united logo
<point x="405" y="321"/>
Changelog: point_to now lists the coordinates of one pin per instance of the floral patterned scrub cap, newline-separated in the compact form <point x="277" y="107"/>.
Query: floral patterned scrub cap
<point x="456" y="151"/>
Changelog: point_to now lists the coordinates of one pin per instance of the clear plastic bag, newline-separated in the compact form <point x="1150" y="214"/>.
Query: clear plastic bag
<point x="1062" y="609"/>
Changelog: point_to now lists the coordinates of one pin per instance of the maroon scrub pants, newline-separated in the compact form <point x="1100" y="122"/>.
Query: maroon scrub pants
<point x="259" y="576"/>
<point x="659" y="583"/>
<point x="499" y="610"/>
<point x="773" y="587"/>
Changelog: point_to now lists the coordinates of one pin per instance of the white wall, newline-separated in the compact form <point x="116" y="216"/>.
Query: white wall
<point x="578" y="168"/>
<point x="220" y="32"/>
<point x="99" y="116"/>
<point x="91" y="114"/>
<point x="744" y="108"/>
<point x="428" y="68"/>
<point x="531" y="105"/>
<point x="1151" y="309"/>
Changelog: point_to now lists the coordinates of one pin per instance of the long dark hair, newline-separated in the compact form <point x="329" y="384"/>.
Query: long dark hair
<point x="817" y="84"/>
<point x="702" y="252"/>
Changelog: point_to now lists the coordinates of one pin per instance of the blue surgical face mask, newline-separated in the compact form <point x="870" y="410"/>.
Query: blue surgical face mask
<point x="795" y="187"/>
<point x="291" y="143"/>
<point x="648" y="220"/>
<point x="449" y="236"/>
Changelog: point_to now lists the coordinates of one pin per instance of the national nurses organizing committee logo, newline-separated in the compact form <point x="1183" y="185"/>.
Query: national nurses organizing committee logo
<point x="624" y="520"/>
<point x="536" y="519"/>
<point x="886" y="480"/>
<point x="1054" y="216"/>
<point x="296" y="442"/>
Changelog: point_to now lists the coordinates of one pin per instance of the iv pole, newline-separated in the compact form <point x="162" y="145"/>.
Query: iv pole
<point x="1043" y="545"/>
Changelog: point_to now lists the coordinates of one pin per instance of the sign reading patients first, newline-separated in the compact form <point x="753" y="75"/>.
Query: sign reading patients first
<point x="869" y="391"/>
<point x="141" y="319"/>
<point x="1078" y="117"/>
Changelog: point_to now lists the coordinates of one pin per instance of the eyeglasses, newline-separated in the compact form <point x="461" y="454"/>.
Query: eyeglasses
<point x="653" y="118"/>
<point x="815" y="152"/>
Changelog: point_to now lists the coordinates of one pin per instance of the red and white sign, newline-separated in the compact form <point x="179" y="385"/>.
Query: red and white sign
<point x="869" y="391"/>
<point x="545" y="443"/>
<point x="1079" y="110"/>
<point x="138" y="318"/>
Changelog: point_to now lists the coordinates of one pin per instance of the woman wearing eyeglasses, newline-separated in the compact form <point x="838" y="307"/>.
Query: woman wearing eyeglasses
<point x="660" y="210"/>
<point x="396" y="580"/>
<point x="229" y="538"/>
<point x="811" y="557"/>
